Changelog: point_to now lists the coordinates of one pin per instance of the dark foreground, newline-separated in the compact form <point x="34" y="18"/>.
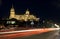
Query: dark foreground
<point x="47" y="35"/>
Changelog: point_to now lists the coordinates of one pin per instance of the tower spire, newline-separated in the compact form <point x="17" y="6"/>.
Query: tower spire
<point x="27" y="12"/>
<point x="12" y="12"/>
<point x="27" y="9"/>
<point x="12" y="5"/>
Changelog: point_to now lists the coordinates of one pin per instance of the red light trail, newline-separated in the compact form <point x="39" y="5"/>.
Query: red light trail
<point x="24" y="33"/>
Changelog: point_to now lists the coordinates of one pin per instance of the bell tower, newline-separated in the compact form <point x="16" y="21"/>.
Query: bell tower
<point x="12" y="13"/>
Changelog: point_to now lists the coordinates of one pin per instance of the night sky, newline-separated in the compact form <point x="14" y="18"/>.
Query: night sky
<point x="45" y="9"/>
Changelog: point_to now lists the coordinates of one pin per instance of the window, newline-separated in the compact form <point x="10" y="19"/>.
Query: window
<point x="11" y="22"/>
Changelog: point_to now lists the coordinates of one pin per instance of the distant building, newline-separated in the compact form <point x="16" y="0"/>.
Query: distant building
<point x="24" y="17"/>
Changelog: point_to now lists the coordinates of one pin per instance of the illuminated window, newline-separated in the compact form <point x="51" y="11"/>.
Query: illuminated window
<point x="8" y="22"/>
<point x="11" y="22"/>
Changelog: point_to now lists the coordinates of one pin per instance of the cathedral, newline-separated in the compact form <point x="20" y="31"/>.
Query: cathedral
<point x="24" y="17"/>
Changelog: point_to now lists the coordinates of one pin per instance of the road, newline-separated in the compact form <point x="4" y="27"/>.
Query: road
<point x="48" y="35"/>
<point x="33" y="34"/>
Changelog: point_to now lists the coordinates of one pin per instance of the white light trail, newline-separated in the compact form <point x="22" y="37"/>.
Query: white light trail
<point x="57" y="25"/>
<point x="29" y="30"/>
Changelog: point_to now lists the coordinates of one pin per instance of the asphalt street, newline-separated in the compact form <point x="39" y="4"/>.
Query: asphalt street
<point x="47" y="35"/>
<point x="44" y="33"/>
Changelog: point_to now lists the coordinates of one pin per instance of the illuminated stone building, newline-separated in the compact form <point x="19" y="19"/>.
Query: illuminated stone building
<point x="24" y="17"/>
